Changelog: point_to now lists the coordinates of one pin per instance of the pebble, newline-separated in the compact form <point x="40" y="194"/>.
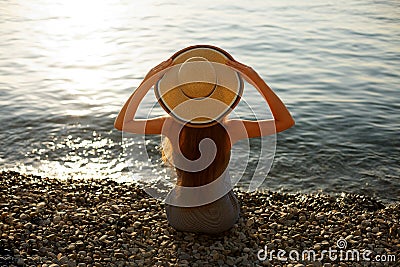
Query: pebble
<point x="56" y="219"/>
<point x="250" y="222"/>
<point x="103" y="223"/>
<point x="325" y="243"/>
<point x="119" y="255"/>
<point x="230" y="261"/>
<point x="82" y="253"/>
<point x="23" y="216"/>
<point x="130" y="229"/>
<point x="20" y="261"/>
<point x="41" y="205"/>
<point x="63" y="259"/>
<point x="103" y="237"/>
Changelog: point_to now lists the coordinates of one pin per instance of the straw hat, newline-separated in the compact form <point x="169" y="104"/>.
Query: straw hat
<point x="199" y="89"/>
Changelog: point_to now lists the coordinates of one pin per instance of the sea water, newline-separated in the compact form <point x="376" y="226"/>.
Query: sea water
<point x="66" y="68"/>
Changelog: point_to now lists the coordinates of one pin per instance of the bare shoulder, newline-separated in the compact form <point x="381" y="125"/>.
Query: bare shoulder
<point x="236" y="129"/>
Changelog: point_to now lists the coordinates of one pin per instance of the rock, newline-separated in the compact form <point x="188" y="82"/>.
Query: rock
<point x="230" y="261"/>
<point x="119" y="255"/>
<point x="88" y="259"/>
<point x="63" y="259"/>
<point x="215" y="256"/>
<point x="297" y="237"/>
<point x="103" y="237"/>
<point x="366" y="222"/>
<point x="51" y="237"/>
<point x="184" y="256"/>
<point x="56" y="219"/>
<point x="147" y="255"/>
<point x="325" y="243"/>
<point x="348" y="238"/>
<point x="82" y="253"/>
<point x="23" y="216"/>
<point x="41" y="205"/>
<point x="250" y="222"/>
<point x="130" y="229"/>
<point x="357" y="232"/>
<point x="20" y="262"/>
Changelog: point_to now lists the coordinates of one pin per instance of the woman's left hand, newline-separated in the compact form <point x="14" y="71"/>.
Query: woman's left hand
<point x="157" y="69"/>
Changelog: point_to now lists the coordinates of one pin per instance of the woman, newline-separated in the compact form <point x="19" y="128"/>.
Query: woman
<point x="208" y="89"/>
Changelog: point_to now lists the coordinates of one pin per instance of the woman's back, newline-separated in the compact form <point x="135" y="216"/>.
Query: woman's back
<point x="188" y="148"/>
<point x="220" y="214"/>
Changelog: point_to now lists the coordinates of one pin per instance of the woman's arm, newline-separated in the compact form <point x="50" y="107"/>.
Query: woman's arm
<point x="245" y="128"/>
<point x="126" y="121"/>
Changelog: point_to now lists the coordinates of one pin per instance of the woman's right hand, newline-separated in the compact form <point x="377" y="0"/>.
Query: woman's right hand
<point x="249" y="73"/>
<point x="244" y="69"/>
<point x="283" y="119"/>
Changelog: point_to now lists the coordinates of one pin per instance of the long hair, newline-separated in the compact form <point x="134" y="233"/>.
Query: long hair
<point x="189" y="140"/>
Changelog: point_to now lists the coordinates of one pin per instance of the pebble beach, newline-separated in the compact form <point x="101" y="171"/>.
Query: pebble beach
<point x="51" y="222"/>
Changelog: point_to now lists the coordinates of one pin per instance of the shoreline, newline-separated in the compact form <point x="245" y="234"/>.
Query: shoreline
<point x="52" y="222"/>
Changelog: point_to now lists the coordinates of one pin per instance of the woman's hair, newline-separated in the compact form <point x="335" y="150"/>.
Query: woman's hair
<point x="189" y="140"/>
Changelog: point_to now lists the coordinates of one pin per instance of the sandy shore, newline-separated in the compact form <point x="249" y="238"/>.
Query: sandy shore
<point x="48" y="222"/>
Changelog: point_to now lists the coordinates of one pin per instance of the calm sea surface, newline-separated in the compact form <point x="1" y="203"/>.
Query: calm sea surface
<point x="66" y="68"/>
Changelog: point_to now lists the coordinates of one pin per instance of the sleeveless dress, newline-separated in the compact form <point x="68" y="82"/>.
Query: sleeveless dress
<point x="212" y="218"/>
